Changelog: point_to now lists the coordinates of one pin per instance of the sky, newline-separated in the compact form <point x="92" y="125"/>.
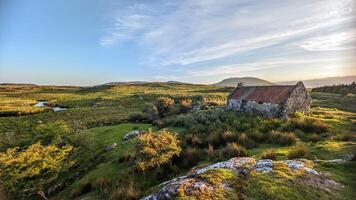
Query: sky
<point x="89" y="42"/>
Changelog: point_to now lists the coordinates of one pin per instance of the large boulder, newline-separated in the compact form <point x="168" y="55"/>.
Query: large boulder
<point x="229" y="179"/>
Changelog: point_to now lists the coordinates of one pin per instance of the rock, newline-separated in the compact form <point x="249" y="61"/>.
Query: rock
<point x="299" y="165"/>
<point x="111" y="147"/>
<point x="235" y="164"/>
<point x="192" y="184"/>
<point x="53" y="188"/>
<point x="133" y="134"/>
<point x="264" y="165"/>
<point x="345" y="158"/>
<point x="195" y="182"/>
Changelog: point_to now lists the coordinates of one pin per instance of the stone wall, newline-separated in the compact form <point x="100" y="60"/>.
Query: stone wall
<point x="264" y="109"/>
<point x="298" y="101"/>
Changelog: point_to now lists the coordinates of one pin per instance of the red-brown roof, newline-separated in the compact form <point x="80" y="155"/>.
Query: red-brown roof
<point x="268" y="94"/>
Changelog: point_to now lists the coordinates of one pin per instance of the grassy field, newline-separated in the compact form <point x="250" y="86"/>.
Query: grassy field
<point x="100" y="115"/>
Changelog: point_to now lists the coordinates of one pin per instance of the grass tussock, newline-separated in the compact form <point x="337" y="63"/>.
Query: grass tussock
<point x="299" y="151"/>
<point x="282" y="138"/>
<point x="235" y="150"/>
<point x="269" y="154"/>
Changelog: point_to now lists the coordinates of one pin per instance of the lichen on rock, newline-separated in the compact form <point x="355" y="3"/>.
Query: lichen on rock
<point x="243" y="177"/>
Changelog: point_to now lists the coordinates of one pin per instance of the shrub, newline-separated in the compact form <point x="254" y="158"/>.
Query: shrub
<point x="185" y="105"/>
<point x="154" y="149"/>
<point x="137" y="117"/>
<point x="23" y="173"/>
<point x="193" y="140"/>
<point x="284" y="139"/>
<point x="164" y="105"/>
<point x="235" y="150"/>
<point x="298" y="151"/>
<point x="151" y="112"/>
<point x="52" y="132"/>
<point x="269" y="154"/>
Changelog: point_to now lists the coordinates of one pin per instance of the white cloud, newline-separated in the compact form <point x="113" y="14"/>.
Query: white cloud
<point x="193" y="31"/>
<point x="235" y="69"/>
<point x="336" y="41"/>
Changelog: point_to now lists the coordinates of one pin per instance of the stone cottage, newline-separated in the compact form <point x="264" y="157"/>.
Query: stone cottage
<point x="270" y="101"/>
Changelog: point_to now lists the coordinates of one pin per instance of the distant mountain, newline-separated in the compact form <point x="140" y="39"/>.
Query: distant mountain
<point x="247" y="81"/>
<point x="312" y="83"/>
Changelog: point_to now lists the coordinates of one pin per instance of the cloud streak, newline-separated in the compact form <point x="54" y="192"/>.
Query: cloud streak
<point x="208" y="38"/>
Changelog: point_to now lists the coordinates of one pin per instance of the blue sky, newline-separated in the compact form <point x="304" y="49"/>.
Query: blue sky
<point x="88" y="42"/>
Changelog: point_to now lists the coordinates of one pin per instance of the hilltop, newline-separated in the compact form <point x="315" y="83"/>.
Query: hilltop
<point x="248" y="81"/>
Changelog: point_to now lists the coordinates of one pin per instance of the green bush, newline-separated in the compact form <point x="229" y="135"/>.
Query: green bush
<point x="137" y="117"/>
<point x="155" y="149"/>
<point x="23" y="173"/>
<point x="298" y="151"/>
<point x="151" y="112"/>
<point x="269" y="154"/>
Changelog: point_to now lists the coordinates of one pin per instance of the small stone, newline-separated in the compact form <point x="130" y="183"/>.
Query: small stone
<point x="111" y="147"/>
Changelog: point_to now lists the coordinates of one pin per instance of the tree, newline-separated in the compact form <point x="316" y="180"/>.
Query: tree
<point x="155" y="149"/>
<point x="164" y="105"/>
<point x="24" y="173"/>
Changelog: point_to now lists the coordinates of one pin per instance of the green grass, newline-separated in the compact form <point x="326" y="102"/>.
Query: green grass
<point x="108" y="168"/>
<point x="330" y="100"/>
<point x="106" y="123"/>
<point x="88" y="107"/>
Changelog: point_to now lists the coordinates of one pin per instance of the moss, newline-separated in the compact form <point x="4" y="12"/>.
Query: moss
<point x="223" y="184"/>
<point x="286" y="183"/>
<point x="216" y="176"/>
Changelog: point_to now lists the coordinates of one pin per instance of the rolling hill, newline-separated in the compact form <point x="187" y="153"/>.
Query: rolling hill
<point x="247" y="81"/>
<point x="312" y="83"/>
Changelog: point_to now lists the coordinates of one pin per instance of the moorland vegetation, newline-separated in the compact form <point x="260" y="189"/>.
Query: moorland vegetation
<point x="186" y="126"/>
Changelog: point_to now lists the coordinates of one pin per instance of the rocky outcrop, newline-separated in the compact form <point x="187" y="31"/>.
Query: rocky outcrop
<point x="221" y="178"/>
